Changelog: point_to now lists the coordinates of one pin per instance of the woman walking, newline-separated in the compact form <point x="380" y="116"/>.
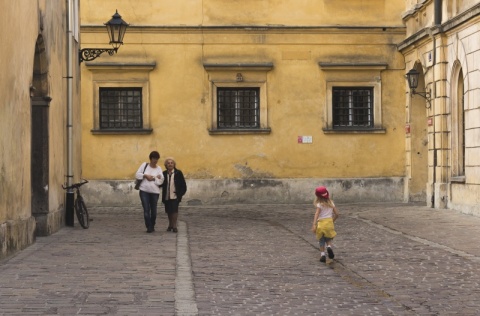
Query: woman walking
<point x="173" y="190"/>
<point x="152" y="178"/>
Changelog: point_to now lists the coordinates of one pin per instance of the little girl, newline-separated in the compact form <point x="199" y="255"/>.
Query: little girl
<point x="323" y="220"/>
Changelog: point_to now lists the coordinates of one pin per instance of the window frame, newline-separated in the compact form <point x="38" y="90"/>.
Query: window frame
<point x="237" y="122"/>
<point x="459" y="104"/>
<point x="353" y="124"/>
<point x="367" y="75"/>
<point x="123" y="118"/>
<point x="113" y="75"/>
<point x="237" y="76"/>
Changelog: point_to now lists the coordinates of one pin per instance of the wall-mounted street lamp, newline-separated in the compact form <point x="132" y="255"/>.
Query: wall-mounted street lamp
<point x="116" y="28"/>
<point x="412" y="78"/>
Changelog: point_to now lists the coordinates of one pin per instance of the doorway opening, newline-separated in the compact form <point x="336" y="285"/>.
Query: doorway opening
<point x="40" y="102"/>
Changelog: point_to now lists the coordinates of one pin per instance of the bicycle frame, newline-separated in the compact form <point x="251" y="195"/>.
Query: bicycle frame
<point x="79" y="203"/>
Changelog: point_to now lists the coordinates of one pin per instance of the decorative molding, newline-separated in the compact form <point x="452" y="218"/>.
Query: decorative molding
<point x="147" y="66"/>
<point x="238" y="66"/>
<point x="352" y="66"/>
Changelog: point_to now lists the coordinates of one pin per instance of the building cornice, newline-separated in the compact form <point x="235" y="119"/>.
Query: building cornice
<point x="250" y="28"/>
<point x="453" y="23"/>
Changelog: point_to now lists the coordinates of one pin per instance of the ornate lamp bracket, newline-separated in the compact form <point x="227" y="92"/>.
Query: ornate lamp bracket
<point x="88" y="54"/>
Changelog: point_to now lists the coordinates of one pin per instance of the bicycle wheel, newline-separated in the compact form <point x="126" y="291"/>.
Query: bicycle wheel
<point x="82" y="213"/>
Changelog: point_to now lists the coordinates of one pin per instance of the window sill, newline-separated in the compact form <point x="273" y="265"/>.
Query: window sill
<point x="141" y="131"/>
<point x="354" y="131"/>
<point x="239" y="131"/>
<point x="457" y="179"/>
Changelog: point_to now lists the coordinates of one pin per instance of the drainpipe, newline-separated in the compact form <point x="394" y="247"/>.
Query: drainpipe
<point x="69" y="195"/>
<point x="438" y="12"/>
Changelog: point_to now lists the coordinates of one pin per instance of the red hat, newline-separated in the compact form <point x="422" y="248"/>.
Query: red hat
<point x="322" y="192"/>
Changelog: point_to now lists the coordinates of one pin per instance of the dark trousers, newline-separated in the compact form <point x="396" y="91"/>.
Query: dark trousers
<point x="149" y="204"/>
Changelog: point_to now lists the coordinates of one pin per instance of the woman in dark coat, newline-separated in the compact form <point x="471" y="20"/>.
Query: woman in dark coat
<point x="173" y="189"/>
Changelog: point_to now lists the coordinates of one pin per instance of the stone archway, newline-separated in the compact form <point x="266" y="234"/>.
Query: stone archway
<point x="40" y="102"/>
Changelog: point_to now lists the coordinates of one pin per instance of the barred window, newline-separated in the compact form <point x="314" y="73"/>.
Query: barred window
<point x="352" y="107"/>
<point x="238" y="107"/>
<point x="121" y="108"/>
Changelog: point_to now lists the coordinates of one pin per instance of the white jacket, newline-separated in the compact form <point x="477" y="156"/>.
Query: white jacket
<point x="150" y="186"/>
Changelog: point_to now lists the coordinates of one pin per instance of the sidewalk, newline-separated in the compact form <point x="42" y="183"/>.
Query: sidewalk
<point x="113" y="267"/>
<point x="390" y="259"/>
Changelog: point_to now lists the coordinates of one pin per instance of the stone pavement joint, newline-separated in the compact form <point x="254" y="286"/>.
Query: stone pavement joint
<point x="184" y="292"/>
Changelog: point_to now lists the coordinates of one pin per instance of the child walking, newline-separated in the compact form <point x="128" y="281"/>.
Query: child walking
<point x="323" y="227"/>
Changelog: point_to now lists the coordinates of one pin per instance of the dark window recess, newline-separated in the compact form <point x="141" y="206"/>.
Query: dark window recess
<point x="238" y="108"/>
<point x="352" y="107"/>
<point x="121" y="108"/>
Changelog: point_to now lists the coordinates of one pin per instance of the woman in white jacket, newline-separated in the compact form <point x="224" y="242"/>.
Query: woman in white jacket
<point x="152" y="178"/>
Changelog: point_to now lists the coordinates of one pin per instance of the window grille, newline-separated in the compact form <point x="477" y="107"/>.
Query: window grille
<point x="121" y="108"/>
<point x="352" y="107"/>
<point x="238" y="107"/>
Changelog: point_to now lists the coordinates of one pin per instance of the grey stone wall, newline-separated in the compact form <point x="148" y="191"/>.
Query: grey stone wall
<point x="16" y="235"/>
<point x="258" y="191"/>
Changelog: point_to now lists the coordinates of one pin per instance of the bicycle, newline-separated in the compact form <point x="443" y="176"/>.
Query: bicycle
<point x="80" y="207"/>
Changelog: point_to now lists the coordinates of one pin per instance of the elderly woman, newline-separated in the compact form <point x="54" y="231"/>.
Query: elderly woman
<point x="173" y="189"/>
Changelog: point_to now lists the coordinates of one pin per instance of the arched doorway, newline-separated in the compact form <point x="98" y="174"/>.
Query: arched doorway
<point x="40" y="102"/>
<point x="418" y="143"/>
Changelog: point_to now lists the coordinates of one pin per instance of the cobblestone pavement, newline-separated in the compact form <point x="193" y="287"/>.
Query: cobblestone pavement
<point x="390" y="259"/>
<point x="114" y="267"/>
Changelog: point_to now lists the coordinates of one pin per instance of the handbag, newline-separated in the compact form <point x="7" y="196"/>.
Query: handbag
<point x="137" y="182"/>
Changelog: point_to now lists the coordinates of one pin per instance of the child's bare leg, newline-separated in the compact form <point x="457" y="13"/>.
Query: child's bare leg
<point x="322" y="250"/>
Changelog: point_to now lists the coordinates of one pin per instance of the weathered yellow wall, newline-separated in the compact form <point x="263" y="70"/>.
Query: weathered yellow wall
<point x="180" y="99"/>
<point x="21" y="24"/>
<point x="15" y="153"/>
<point x="248" y="12"/>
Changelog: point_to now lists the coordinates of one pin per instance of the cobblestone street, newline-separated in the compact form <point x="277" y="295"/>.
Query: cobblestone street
<point x="390" y="259"/>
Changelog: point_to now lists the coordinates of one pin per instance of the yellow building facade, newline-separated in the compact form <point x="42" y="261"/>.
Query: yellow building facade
<point x="443" y="155"/>
<point x="258" y="101"/>
<point x="33" y="118"/>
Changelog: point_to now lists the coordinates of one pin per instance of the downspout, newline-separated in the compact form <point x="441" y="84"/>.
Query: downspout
<point x="438" y="12"/>
<point x="69" y="195"/>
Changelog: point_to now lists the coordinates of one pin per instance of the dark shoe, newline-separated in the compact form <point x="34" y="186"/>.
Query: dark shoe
<point x="169" y="229"/>
<point x="175" y="230"/>
<point x="330" y="253"/>
<point x="323" y="259"/>
<point x="149" y="231"/>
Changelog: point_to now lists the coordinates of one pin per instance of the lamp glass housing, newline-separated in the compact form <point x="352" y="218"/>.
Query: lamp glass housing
<point x="116" y="29"/>
<point x="412" y="78"/>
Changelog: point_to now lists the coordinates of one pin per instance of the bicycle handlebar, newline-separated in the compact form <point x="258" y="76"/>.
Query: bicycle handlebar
<point x="75" y="185"/>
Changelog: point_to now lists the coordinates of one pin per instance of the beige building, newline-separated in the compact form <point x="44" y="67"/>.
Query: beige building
<point x="257" y="101"/>
<point x="443" y="145"/>
<point x="33" y="117"/>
